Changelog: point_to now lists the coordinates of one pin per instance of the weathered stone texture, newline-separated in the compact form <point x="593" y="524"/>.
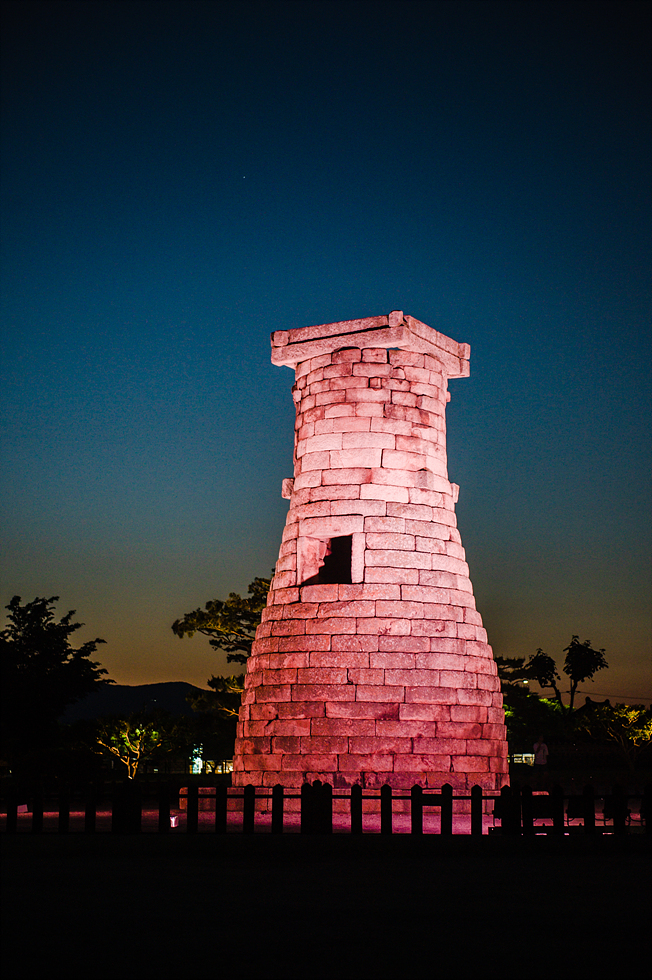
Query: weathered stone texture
<point x="385" y="676"/>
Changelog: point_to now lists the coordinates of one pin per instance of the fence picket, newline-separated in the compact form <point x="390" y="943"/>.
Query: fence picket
<point x="249" y="809"/>
<point x="356" y="809"/>
<point x="277" y="809"/>
<point x="90" y="808"/>
<point x="646" y="807"/>
<point x="221" y="807"/>
<point x="446" y="826"/>
<point x="192" y="812"/>
<point x="306" y="809"/>
<point x="12" y="811"/>
<point x="476" y="810"/>
<point x="386" y="809"/>
<point x="325" y="798"/>
<point x="527" y="811"/>
<point x="510" y="811"/>
<point x="620" y="811"/>
<point x="557" y="810"/>
<point x="164" y="808"/>
<point x="37" y="811"/>
<point x="588" y="810"/>
<point x="63" y="826"/>
<point x="416" y="810"/>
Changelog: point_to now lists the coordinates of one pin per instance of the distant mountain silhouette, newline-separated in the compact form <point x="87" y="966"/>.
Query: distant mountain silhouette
<point x="120" y="699"/>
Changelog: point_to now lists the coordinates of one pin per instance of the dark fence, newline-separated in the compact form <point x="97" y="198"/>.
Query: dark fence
<point x="131" y="807"/>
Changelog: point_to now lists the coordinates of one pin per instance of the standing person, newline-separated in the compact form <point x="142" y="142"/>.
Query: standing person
<point x="540" y="750"/>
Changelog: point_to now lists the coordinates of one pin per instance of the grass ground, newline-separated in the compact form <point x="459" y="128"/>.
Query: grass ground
<point x="260" y="908"/>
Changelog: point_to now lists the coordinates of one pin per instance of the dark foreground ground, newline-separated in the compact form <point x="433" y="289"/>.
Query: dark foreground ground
<point x="106" y="907"/>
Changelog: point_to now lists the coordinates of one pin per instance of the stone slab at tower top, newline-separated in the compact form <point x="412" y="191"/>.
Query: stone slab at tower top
<point x="396" y="330"/>
<point x="371" y="664"/>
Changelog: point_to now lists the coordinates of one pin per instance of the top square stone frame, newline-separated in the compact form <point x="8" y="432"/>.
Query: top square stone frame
<point x="291" y="347"/>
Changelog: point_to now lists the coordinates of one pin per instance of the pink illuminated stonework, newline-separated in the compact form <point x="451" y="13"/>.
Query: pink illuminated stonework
<point x="371" y="664"/>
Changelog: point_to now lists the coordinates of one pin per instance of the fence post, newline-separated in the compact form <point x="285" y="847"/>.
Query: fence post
<point x="135" y="806"/>
<point x="126" y="808"/>
<point x="588" y="809"/>
<point x="306" y="808"/>
<point x="620" y="810"/>
<point x="12" y="810"/>
<point x="192" y="811"/>
<point x="117" y="808"/>
<point x="249" y="809"/>
<point x="386" y="809"/>
<point x="646" y="805"/>
<point x="64" y="809"/>
<point x="508" y="823"/>
<point x="515" y="814"/>
<point x="356" y="809"/>
<point x="325" y="808"/>
<point x="277" y="809"/>
<point x="90" y="808"/>
<point x="503" y="808"/>
<point x="416" y="810"/>
<point x="526" y="807"/>
<point x="476" y="810"/>
<point x="221" y="807"/>
<point x="37" y="811"/>
<point x="557" y="809"/>
<point x="164" y="807"/>
<point x="446" y="824"/>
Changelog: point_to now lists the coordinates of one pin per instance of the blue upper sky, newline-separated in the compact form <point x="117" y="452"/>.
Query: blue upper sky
<point x="181" y="178"/>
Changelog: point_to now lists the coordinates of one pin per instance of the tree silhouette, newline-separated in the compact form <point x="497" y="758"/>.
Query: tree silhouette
<point x="41" y="674"/>
<point x="580" y="664"/>
<point x="230" y="626"/>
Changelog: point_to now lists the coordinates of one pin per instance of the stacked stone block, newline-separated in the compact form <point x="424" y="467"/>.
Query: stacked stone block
<point x="373" y="668"/>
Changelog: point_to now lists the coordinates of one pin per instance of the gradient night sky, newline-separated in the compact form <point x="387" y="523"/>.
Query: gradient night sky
<point x="182" y="178"/>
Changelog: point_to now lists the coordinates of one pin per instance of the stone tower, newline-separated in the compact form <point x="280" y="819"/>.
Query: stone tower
<point x="371" y="664"/>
